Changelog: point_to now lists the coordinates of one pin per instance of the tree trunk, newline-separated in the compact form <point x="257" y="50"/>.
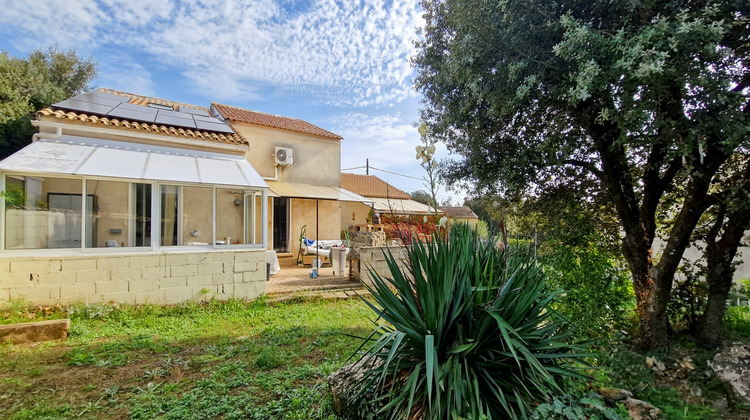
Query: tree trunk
<point x="733" y="216"/>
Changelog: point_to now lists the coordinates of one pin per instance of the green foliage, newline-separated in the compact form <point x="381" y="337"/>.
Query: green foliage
<point x="27" y="85"/>
<point x="689" y="296"/>
<point x="598" y="295"/>
<point x="574" y="407"/>
<point x="737" y="321"/>
<point x="470" y="331"/>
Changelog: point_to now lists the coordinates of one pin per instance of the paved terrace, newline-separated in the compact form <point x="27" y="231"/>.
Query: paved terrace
<point x="295" y="279"/>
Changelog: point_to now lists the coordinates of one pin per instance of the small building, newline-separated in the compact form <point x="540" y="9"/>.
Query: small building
<point x="461" y="214"/>
<point x="383" y="199"/>
<point x="132" y="199"/>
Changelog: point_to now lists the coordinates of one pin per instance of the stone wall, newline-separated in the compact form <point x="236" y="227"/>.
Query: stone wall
<point x="367" y="250"/>
<point x="159" y="278"/>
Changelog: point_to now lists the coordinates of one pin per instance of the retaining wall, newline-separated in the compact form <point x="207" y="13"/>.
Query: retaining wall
<point x="161" y="278"/>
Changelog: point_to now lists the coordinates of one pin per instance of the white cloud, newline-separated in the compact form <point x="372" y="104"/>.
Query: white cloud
<point x="121" y="72"/>
<point x="342" y="52"/>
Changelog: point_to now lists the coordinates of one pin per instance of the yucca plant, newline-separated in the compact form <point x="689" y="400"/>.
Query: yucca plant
<point x="468" y="333"/>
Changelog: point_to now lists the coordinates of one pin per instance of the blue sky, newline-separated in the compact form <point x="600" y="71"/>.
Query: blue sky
<point x="342" y="65"/>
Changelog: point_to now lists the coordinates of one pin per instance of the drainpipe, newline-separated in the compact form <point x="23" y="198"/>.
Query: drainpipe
<point x="47" y="136"/>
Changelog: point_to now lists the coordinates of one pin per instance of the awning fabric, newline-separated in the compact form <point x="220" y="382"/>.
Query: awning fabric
<point x="298" y="190"/>
<point x="390" y="205"/>
<point x="83" y="156"/>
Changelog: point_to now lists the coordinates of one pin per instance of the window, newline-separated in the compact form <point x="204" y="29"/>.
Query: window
<point x="121" y="214"/>
<point x="43" y="212"/>
<point x="238" y="216"/>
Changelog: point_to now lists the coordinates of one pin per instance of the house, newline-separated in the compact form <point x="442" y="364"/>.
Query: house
<point x="127" y="198"/>
<point x="461" y="214"/>
<point x="385" y="198"/>
<point x="301" y="164"/>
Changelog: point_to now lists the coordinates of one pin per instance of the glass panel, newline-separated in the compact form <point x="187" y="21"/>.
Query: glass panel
<point x="118" y="221"/>
<point x="142" y="211"/>
<point x="197" y="219"/>
<point x="170" y="195"/>
<point x="253" y="218"/>
<point x="45" y="213"/>
<point x="230" y="216"/>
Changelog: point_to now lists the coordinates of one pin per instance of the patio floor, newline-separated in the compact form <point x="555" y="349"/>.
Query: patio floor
<point x="293" y="278"/>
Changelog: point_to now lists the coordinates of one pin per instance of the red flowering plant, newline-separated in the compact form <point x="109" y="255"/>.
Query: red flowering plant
<point x="408" y="227"/>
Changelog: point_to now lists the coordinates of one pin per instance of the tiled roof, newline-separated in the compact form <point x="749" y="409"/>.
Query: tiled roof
<point x="145" y="100"/>
<point x="269" y="120"/>
<point x="459" y="212"/>
<point x="371" y="186"/>
<point x="225" y="138"/>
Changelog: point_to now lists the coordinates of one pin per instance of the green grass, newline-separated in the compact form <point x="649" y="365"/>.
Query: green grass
<point x="192" y="361"/>
<point x="737" y="321"/>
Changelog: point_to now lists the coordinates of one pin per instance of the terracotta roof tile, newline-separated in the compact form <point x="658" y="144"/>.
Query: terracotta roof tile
<point x="270" y="120"/>
<point x="459" y="212"/>
<point x="226" y="138"/>
<point x="371" y="186"/>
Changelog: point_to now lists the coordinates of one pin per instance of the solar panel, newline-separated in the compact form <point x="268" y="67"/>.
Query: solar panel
<point x="222" y="128"/>
<point x="81" y="106"/>
<point x="137" y="108"/>
<point x="194" y="111"/>
<point x="208" y="119"/>
<point x="179" y="122"/>
<point x="130" y="114"/>
<point x="174" y="114"/>
<point x="96" y="99"/>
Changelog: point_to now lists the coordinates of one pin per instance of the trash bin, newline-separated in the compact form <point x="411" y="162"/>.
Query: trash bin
<point x="339" y="261"/>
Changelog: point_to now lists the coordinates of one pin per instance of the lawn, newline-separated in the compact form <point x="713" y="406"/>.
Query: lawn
<point x="236" y="360"/>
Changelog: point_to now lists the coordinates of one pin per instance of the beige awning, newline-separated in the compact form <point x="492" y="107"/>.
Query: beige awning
<point x="390" y="205"/>
<point x="299" y="190"/>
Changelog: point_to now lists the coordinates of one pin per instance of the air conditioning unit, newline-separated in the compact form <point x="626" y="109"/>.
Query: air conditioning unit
<point x="282" y="156"/>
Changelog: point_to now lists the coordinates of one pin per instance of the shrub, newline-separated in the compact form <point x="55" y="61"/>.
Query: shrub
<point x="470" y="333"/>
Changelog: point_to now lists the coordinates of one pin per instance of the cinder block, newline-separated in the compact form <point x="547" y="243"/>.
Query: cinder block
<point x="143" y="285"/>
<point x="238" y="277"/>
<point x="110" y="287"/>
<point x="55" y="265"/>
<point x="243" y="256"/>
<point x="199" y="280"/>
<point x="171" y="260"/>
<point x="125" y="274"/>
<point x="183" y="270"/>
<point x="211" y="268"/>
<point x="110" y="262"/>
<point x="4" y="296"/>
<point x="253" y="276"/>
<point x="57" y="277"/>
<point x="150" y="296"/>
<point x="241" y="267"/>
<point x="223" y="257"/>
<point x="177" y="295"/>
<point x="141" y="261"/>
<point x="70" y="292"/>
<point x="153" y="273"/>
<point x="29" y="266"/>
<point x="17" y="280"/>
<point x="4" y="267"/>
<point x="93" y="276"/>
<point x="199" y="258"/>
<point x="38" y="295"/>
<point x="79" y="264"/>
<point x="171" y="282"/>
<point x="223" y="278"/>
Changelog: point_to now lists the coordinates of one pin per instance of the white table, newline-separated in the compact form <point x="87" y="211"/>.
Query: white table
<point x="272" y="259"/>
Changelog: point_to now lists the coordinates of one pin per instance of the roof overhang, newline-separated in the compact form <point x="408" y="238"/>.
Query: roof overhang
<point x="397" y="206"/>
<point x="83" y="156"/>
<point x="315" y="192"/>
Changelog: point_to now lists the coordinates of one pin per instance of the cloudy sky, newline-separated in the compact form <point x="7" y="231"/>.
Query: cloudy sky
<point x="342" y="65"/>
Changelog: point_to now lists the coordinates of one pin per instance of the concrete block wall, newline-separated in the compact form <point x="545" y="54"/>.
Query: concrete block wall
<point x="163" y="278"/>
<point x="374" y="258"/>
